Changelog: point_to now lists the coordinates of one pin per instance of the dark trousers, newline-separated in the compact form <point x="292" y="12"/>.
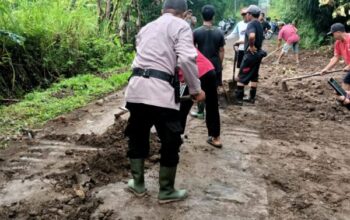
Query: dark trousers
<point x="208" y="84"/>
<point x="240" y="55"/>
<point x="218" y="69"/>
<point x="249" y="69"/>
<point x="346" y="79"/>
<point x="168" y="126"/>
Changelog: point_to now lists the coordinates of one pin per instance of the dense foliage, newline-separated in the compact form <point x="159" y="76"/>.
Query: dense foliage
<point x="44" y="40"/>
<point x="221" y="6"/>
<point x="150" y="9"/>
<point x="313" y="17"/>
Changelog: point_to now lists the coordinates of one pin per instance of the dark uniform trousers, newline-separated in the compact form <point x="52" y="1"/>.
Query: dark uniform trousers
<point x="208" y="84"/>
<point x="249" y="69"/>
<point x="168" y="126"/>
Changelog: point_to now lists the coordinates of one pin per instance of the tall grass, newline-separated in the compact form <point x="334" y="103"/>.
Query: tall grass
<point x="59" y="40"/>
<point x="37" y="107"/>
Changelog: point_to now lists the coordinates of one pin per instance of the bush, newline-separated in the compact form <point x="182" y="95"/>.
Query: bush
<point x="59" y="41"/>
<point x="37" y="107"/>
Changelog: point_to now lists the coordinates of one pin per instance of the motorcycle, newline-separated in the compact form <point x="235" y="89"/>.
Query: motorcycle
<point x="273" y="31"/>
<point x="268" y="35"/>
<point x="226" y="25"/>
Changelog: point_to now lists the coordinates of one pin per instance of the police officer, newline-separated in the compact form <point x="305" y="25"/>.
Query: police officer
<point x="161" y="46"/>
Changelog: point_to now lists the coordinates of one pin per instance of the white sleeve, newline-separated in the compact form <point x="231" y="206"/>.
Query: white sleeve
<point x="234" y="33"/>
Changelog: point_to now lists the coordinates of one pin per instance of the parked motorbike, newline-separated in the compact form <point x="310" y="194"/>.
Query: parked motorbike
<point x="268" y="35"/>
<point x="226" y="25"/>
<point x="273" y="31"/>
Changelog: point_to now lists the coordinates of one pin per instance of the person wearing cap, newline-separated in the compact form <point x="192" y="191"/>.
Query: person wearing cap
<point x="151" y="99"/>
<point x="190" y="19"/>
<point x="341" y="49"/>
<point x="288" y="33"/>
<point x="239" y="31"/>
<point x="253" y="54"/>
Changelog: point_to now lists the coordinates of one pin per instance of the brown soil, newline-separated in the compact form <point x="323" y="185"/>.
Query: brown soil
<point x="305" y="149"/>
<point x="286" y="157"/>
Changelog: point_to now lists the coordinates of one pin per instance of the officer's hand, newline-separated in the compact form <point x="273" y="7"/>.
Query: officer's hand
<point x="199" y="97"/>
<point x="252" y="49"/>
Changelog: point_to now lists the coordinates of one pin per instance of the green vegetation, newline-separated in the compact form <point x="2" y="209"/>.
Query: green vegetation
<point x="40" y="106"/>
<point x="43" y="41"/>
<point x="313" y="17"/>
<point x="224" y="8"/>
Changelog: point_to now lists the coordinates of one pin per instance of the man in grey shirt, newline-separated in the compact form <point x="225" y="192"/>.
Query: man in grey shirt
<point x="161" y="46"/>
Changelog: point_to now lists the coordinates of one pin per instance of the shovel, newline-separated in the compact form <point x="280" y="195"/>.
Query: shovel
<point x="284" y="81"/>
<point x="270" y="54"/>
<point x="232" y="85"/>
<point x="235" y="48"/>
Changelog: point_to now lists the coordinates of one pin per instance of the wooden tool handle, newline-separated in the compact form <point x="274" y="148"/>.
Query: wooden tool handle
<point x="311" y="75"/>
<point x="302" y="77"/>
<point x="271" y="53"/>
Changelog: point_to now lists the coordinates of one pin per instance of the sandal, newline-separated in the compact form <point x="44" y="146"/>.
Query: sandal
<point x="211" y="142"/>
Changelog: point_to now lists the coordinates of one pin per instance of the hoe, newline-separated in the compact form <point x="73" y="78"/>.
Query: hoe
<point x="284" y="81"/>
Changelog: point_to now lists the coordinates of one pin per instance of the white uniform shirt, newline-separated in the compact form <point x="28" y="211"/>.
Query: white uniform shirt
<point x="158" y="44"/>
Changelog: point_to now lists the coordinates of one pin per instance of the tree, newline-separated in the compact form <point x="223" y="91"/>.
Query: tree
<point x="341" y="10"/>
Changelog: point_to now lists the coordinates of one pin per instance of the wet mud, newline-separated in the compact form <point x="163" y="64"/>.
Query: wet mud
<point x="285" y="157"/>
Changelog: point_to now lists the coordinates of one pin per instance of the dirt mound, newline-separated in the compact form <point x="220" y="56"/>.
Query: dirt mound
<point x="113" y="137"/>
<point x="76" y="181"/>
<point x="305" y="147"/>
<point x="70" y="208"/>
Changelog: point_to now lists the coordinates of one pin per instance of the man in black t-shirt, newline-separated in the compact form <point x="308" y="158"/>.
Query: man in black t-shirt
<point x="249" y="70"/>
<point x="210" y="41"/>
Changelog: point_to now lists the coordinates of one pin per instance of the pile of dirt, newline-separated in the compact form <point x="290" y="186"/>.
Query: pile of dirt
<point x="70" y="208"/>
<point x="75" y="181"/>
<point x="113" y="138"/>
<point x="304" y="153"/>
<point x="303" y="156"/>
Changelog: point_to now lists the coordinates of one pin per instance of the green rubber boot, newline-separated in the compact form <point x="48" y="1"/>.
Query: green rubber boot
<point x="167" y="192"/>
<point x="137" y="184"/>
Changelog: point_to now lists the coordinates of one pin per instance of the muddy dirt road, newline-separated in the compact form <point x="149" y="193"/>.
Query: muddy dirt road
<point x="286" y="157"/>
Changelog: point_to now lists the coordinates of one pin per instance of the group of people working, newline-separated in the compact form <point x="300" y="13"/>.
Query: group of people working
<point x="169" y="51"/>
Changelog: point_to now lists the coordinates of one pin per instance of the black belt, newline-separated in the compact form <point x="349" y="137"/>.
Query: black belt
<point x="153" y="73"/>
